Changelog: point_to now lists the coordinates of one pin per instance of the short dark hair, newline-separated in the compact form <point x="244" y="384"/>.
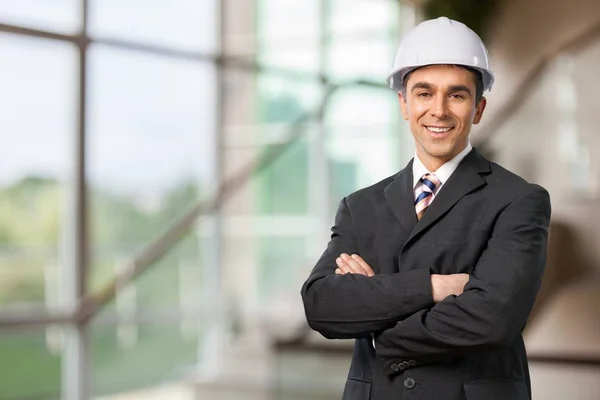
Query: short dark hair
<point x="476" y="73"/>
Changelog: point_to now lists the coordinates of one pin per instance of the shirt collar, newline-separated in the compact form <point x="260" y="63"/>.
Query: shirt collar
<point x="443" y="173"/>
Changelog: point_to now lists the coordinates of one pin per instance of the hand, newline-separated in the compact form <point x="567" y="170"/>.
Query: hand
<point x="447" y="285"/>
<point x="353" y="265"/>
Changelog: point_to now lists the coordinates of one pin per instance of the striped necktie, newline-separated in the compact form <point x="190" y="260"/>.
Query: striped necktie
<point x="430" y="183"/>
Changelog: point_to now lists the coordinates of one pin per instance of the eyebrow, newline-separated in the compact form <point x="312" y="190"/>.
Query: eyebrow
<point x="460" y="88"/>
<point x="452" y="88"/>
<point x="421" y="85"/>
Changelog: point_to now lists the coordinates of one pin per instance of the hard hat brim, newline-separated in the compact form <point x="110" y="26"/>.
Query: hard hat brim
<point x="395" y="79"/>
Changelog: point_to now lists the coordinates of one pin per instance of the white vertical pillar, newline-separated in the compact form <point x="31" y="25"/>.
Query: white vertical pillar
<point x="74" y="261"/>
<point x="75" y="372"/>
<point x="209" y="226"/>
<point x="211" y="322"/>
<point x="319" y="173"/>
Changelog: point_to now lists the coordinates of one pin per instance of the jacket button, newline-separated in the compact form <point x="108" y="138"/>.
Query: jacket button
<point x="395" y="367"/>
<point x="403" y="365"/>
<point x="409" y="383"/>
<point x="412" y="363"/>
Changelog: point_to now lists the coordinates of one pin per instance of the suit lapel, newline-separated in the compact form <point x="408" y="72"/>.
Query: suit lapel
<point x="399" y="195"/>
<point x="463" y="181"/>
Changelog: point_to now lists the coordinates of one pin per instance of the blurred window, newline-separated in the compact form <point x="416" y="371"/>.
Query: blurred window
<point x="363" y="142"/>
<point x="149" y="156"/>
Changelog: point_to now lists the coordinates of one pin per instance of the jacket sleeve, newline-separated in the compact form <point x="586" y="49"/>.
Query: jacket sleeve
<point x="354" y="306"/>
<point x="496" y="302"/>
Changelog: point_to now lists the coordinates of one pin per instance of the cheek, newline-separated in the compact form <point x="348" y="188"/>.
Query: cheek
<point x="417" y="110"/>
<point x="465" y="115"/>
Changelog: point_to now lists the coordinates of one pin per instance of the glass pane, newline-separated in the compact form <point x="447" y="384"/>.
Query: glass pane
<point x="59" y="15"/>
<point x="369" y="59"/>
<point x="150" y="151"/>
<point x="289" y="18"/>
<point x="185" y="24"/>
<point x="283" y="259"/>
<point x="38" y="123"/>
<point x="130" y="356"/>
<point x="363" y="39"/>
<point x="283" y="185"/>
<point x="364" y="18"/>
<point x="30" y="364"/>
<point x="271" y="260"/>
<point x="283" y="100"/>
<point x="301" y="57"/>
<point x="365" y="143"/>
<point x="174" y="281"/>
<point x="288" y="34"/>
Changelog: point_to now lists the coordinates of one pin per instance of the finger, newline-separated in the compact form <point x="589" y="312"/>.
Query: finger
<point x="354" y="265"/>
<point x="343" y="266"/>
<point x="339" y="271"/>
<point x="366" y="267"/>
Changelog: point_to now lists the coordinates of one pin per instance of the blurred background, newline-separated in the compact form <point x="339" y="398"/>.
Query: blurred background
<point x="169" y="172"/>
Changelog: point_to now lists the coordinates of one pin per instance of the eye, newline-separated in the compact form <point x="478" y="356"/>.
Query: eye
<point x="457" y="96"/>
<point x="423" y="94"/>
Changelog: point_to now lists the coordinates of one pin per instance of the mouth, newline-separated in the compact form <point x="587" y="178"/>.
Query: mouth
<point x="439" y="131"/>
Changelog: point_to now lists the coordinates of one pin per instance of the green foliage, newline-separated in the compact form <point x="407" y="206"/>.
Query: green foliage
<point x="476" y="14"/>
<point x="24" y="219"/>
<point x="123" y="221"/>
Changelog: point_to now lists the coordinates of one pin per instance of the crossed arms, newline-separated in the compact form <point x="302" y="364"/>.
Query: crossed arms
<point x="401" y="309"/>
<point x="442" y="285"/>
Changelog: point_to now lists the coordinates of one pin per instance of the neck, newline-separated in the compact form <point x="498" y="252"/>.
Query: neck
<point x="432" y="163"/>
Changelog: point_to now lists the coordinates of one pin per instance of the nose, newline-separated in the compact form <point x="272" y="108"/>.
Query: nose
<point x="439" y="107"/>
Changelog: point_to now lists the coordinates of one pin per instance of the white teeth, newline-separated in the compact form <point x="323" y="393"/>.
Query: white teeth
<point x="438" y="130"/>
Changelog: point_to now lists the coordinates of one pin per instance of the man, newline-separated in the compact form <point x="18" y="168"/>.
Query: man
<point x="434" y="270"/>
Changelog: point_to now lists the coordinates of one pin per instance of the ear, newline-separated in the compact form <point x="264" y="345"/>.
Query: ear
<point x="403" y="105"/>
<point x="479" y="109"/>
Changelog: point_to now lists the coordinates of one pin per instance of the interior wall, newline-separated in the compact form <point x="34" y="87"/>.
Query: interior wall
<point x="523" y="31"/>
<point x="552" y="140"/>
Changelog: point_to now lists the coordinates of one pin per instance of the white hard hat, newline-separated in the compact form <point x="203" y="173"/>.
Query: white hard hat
<point x="440" y="41"/>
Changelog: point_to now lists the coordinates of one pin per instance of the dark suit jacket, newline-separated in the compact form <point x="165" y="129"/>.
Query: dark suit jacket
<point x="484" y="221"/>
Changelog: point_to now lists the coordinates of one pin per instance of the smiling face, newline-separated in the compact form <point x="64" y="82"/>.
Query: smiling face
<point x="440" y="106"/>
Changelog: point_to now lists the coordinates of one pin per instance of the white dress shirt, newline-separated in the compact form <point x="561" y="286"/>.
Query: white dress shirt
<point x="443" y="173"/>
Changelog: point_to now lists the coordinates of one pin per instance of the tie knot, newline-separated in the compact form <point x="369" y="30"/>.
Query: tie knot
<point x="431" y="181"/>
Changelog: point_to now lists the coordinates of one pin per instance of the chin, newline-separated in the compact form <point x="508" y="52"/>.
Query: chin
<point x="439" y="151"/>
